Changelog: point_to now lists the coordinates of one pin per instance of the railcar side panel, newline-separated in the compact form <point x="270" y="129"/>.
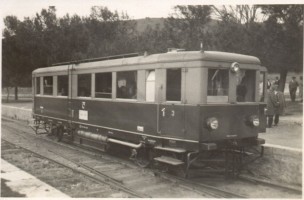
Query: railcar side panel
<point x="135" y="117"/>
<point x="51" y="107"/>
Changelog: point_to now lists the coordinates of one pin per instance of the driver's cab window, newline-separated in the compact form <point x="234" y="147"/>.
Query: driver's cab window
<point x="245" y="90"/>
<point x="218" y="85"/>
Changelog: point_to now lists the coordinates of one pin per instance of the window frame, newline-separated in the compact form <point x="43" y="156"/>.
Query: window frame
<point x="181" y="85"/>
<point x="52" y="86"/>
<point x="57" y="86"/>
<point x="218" y="98"/>
<point x="134" y="84"/>
<point x="147" y="73"/>
<point x="38" y="80"/>
<point x="77" y="85"/>
<point x="95" y="82"/>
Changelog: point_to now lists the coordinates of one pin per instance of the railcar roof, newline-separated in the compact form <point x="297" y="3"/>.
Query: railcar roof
<point x="183" y="56"/>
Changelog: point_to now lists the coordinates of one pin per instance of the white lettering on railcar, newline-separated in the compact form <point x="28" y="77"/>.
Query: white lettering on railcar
<point x="172" y="113"/>
<point x="83" y="115"/>
<point x="140" y="128"/>
<point x="164" y="112"/>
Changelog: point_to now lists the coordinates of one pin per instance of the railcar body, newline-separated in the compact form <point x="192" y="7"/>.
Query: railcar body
<point x="179" y="102"/>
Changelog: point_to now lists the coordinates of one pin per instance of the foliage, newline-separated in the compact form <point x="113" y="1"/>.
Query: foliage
<point x="187" y="26"/>
<point x="284" y="37"/>
<point x="46" y="39"/>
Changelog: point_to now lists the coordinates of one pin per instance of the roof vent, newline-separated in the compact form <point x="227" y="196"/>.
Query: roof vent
<point x="174" y="50"/>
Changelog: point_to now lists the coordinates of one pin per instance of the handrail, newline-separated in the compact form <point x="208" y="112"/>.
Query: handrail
<point x="97" y="59"/>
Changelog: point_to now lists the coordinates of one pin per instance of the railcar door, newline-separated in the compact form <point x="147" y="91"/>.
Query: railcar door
<point x="171" y="113"/>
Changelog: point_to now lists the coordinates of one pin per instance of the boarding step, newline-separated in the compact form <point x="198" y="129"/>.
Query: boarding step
<point x="171" y="149"/>
<point x="169" y="160"/>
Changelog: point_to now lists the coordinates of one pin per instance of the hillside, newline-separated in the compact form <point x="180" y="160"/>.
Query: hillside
<point x="142" y="24"/>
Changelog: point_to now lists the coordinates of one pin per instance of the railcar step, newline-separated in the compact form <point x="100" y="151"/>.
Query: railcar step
<point x="169" y="160"/>
<point x="172" y="149"/>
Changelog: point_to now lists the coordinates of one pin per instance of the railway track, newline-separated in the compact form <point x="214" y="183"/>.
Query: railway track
<point x="129" y="178"/>
<point x="284" y="187"/>
<point x="60" y="165"/>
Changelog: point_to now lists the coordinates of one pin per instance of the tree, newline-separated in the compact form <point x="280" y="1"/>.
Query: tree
<point x="238" y="29"/>
<point x="241" y="14"/>
<point x="15" y="53"/>
<point x="283" y="39"/>
<point x="44" y="40"/>
<point x="186" y="28"/>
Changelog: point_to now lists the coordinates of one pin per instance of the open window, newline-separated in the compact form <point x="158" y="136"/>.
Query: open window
<point x="48" y="85"/>
<point x="245" y="90"/>
<point x="127" y="85"/>
<point x="103" y="85"/>
<point x="62" y="86"/>
<point x="84" y="85"/>
<point x="218" y="85"/>
<point x="174" y="85"/>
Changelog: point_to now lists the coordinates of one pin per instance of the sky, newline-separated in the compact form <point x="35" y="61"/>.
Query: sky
<point x="136" y="9"/>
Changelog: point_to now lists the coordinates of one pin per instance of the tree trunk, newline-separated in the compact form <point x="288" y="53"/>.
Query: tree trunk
<point x="283" y="75"/>
<point x="7" y="97"/>
<point x="16" y="93"/>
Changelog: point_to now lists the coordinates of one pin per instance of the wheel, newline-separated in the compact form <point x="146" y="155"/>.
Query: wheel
<point x="143" y="157"/>
<point x="59" y="134"/>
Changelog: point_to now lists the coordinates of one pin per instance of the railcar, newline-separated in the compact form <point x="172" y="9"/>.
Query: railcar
<point x="172" y="108"/>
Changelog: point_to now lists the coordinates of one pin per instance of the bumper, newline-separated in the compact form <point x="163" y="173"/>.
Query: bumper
<point x="232" y="143"/>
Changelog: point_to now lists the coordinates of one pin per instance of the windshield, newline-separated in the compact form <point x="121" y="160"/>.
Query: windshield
<point x="245" y="90"/>
<point x="218" y="84"/>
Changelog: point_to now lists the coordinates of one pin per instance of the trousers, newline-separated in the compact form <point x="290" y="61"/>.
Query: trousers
<point x="269" y="120"/>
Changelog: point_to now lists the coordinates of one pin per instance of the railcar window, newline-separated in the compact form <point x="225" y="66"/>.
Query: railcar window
<point x="174" y="85"/>
<point x="37" y="85"/>
<point x="48" y="85"/>
<point x="84" y="85"/>
<point x="127" y="85"/>
<point x="218" y="82"/>
<point x="150" y="86"/>
<point x="103" y="85"/>
<point x="62" y="86"/>
<point x="245" y="89"/>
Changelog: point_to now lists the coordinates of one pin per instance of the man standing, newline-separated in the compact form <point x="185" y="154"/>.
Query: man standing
<point x="280" y="108"/>
<point x="301" y="89"/>
<point x="268" y="84"/>
<point x="293" y="86"/>
<point x="277" y="81"/>
<point x="272" y="104"/>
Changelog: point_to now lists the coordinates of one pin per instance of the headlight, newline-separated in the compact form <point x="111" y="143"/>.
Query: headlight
<point x="212" y="123"/>
<point x="254" y="120"/>
<point x="235" y="67"/>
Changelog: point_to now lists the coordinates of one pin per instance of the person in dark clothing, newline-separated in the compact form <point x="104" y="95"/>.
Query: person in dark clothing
<point x="293" y="86"/>
<point x="272" y="104"/>
<point x="301" y="89"/>
<point x="241" y="91"/>
<point x="268" y="84"/>
<point x="276" y="81"/>
<point x="280" y="109"/>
